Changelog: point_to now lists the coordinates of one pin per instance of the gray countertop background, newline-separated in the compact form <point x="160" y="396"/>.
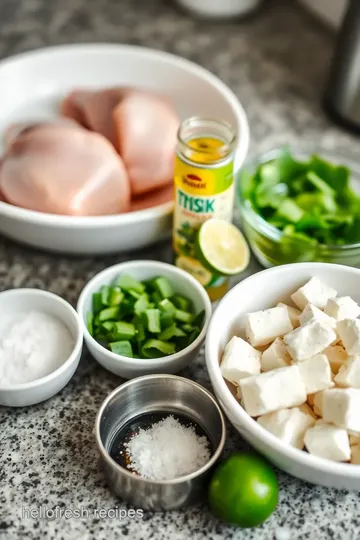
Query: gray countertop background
<point x="275" y="61"/>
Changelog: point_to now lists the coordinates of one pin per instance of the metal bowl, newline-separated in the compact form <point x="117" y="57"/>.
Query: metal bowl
<point x="150" y="394"/>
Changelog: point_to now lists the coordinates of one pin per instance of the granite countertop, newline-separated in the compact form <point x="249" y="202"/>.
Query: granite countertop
<point x="276" y="62"/>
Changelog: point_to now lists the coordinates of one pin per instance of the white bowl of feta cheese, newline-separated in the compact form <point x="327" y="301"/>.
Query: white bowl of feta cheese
<point x="283" y="355"/>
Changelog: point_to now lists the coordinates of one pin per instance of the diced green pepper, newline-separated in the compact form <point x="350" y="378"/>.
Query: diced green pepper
<point x="105" y="292"/>
<point x="134" y="294"/>
<point x="183" y="316"/>
<point x="123" y="330"/>
<point x="167" y="306"/>
<point x="97" y="303"/>
<point x="115" y="296"/>
<point x="108" y="326"/>
<point x="163" y="286"/>
<point x="108" y="313"/>
<point x="155" y="348"/>
<point x="181" y="302"/>
<point x="198" y="320"/>
<point x="128" y="283"/>
<point x="90" y="322"/>
<point x="166" y="320"/>
<point x="123" y="348"/>
<point x="140" y="330"/>
<point x="152" y="320"/>
<point x="156" y="298"/>
<point x="141" y="304"/>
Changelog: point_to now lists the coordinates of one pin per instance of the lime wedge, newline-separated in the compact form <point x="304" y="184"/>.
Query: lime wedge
<point x="222" y="248"/>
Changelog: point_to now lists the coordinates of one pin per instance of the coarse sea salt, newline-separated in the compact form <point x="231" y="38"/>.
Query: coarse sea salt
<point x="32" y="345"/>
<point x="167" y="450"/>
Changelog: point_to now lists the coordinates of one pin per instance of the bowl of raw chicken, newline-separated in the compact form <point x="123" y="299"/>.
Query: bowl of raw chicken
<point x="283" y="355"/>
<point x="89" y="135"/>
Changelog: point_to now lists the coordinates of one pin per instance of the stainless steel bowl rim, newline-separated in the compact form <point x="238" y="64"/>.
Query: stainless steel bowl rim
<point x="215" y="456"/>
<point x="273" y="232"/>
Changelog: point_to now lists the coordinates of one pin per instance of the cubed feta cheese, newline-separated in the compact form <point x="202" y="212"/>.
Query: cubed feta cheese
<point x="342" y="308"/>
<point x="316" y="373"/>
<point x="310" y="339"/>
<point x="289" y="425"/>
<point x="327" y="441"/>
<point x="341" y="407"/>
<point x="318" y="398"/>
<point x="349" y="333"/>
<point x="307" y="410"/>
<point x="355" y="455"/>
<point x="262" y="327"/>
<point x="293" y="314"/>
<point x="311" y="312"/>
<point x="349" y="373"/>
<point x="313" y="292"/>
<point x="239" y="360"/>
<point x="277" y="389"/>
<point x="336" y="356"/>
<point x="275" y="356"/>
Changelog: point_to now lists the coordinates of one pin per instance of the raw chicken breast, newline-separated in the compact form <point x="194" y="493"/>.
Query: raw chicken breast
<point x="142" y="126"/>
<point x="93" y="109"/>
<point x="61" y="168"/>
<point x="153" y="198"/>
<point x="146" y="127"/>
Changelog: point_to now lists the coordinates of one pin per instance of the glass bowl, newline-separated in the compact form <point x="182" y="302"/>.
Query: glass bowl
<point x="273" y="247"/>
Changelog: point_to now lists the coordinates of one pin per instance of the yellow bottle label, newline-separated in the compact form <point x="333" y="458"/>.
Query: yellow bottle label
<point x="202" y="191"/>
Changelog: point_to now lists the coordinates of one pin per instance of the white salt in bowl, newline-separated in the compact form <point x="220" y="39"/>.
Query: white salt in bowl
<point x="260" y="291"/>
<point x="26" y="300"/>
<point x="182" y="282"/>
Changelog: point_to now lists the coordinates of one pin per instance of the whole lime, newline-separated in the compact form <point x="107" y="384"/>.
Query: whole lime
<point x="243" y="490"/>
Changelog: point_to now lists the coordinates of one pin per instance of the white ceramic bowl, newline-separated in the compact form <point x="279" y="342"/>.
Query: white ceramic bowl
<point x="260" y="291"/>
<point x="20" y="300"/>
<point x="182" y="282"/>
<point x="48" y="75"/>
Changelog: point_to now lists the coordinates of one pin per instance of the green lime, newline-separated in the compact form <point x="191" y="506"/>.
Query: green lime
<point x="222" y="248"/>
<point x="243" y="490"/>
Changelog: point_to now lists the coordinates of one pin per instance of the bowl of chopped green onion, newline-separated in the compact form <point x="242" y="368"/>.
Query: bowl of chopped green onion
<point x="144" y="317"/>
<point x="299" y="205"/>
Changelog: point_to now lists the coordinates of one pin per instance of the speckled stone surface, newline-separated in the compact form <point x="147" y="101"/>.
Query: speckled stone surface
<point x="275" y="61"/>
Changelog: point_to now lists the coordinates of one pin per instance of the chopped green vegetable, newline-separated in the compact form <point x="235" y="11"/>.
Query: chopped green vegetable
<point x="123" y="330"/>
<point x="128" y="283"/>
<point x="107" y="326"/>
<point x="143" y="319"/>
<point x="166" y="320"/>
<point x="97" y="303"/>
<point x="311" y="202"/>
<point x="163" y="287"/>
<point x="167" y="306"/>
<point x="183" y="316"/>
<point x="90" y="322"/>
<point x="290" y="211"/>
<point x="152" y="320"/>
<point x="115" y="296"/>
<point x="153" y="348"/>
<point x="181" y="302"/>
<point x="123" y="348"/>
<point x="171" y="332"/>
<point x="141" y="304"/>
<point x="105" y="292"/>
<point x="108" y="313"/>
<point x="198" y="320"/>
<point x="134" y="294"/>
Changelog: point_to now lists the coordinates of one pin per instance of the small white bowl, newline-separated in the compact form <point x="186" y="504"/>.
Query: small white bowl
<point x="20" y="300"/>
<point x="48" y="75"/>
<point x="182" y="282"/>
<point x="260" y="291"/>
